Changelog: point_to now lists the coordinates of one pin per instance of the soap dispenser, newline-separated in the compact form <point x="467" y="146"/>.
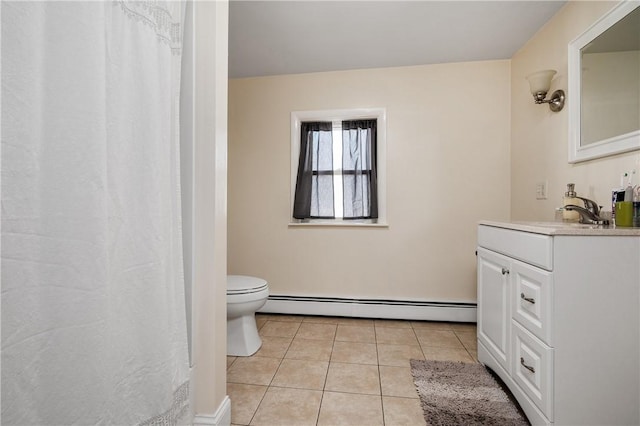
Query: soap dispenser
<point x="570" y="197"/>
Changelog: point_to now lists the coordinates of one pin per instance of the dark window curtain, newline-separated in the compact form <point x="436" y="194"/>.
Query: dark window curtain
<point x="314" y="184"/>
<point x="359" y="169"/>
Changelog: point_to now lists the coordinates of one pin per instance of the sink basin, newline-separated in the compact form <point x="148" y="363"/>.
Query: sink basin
<point x="559" y="225"/>
<point x="548" y="224"/>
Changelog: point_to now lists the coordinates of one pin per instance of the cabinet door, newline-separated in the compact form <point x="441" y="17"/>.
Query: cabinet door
<point x="494" y="315"/>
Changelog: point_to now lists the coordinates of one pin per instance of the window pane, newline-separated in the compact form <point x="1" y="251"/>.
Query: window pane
<point x="355" y="154"/>
<point x="351" y="150"/>
<point x="356" y="195"/>
<point x="314" y="183"/>
<point x="358" y="162"/>
<point x="356" y="149"/>
<point x="322" y="196"/>
<point x="322" y="146"/>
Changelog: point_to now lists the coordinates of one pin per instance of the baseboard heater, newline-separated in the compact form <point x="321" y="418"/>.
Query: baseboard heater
<point x="371" y="308"/>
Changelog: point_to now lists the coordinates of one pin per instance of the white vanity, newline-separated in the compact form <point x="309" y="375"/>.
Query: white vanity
<point x="559" y="319"/>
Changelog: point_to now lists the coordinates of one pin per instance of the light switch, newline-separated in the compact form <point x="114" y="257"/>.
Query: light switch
<point x="541" y="190"/>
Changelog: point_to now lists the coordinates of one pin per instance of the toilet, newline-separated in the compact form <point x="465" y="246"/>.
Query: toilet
<point x="245" y="295"/>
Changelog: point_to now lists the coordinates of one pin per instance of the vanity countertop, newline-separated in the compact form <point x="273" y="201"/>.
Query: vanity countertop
<point x="563" y="228"/>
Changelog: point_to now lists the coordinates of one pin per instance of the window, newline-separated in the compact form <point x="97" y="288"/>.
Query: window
<point x="337" y="166"/>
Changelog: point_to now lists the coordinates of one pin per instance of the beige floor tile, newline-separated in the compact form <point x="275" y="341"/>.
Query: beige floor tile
<point x="402" y="412"/>
<point x="396" y="336"/>
<point x="362" y="322"/>
<point x="230" y="360"/>
<point x="353" y="378"/>
<point x="284" y="406"/>
<point x="279" y="329"/>
<point x="464" y="326"/>
<point x="469" y="339"/>
<point x="313" y="350"/>
<point x="438" y="339"/>
<point x="281" y="317"/>
<point x="473" y="354"/>
<point x="244" y="401"/>
<point x="355" y="353"/>
<point x="392" y="323"/>
<point x="446" y="354"/>
<point x="430" y="325"/>
<point x="398" y="355"/>
<point x="301" y="374"/>
<point x="350" y="409"/>
<point x="397" y="381"/>
<point x="264" y="317"/>
<point x="362" y="365"/>
<point x="253" y="370"/>
<point x="260" y="321"/>
<point x="322" y="320"/>
<point x="317" y="331"/>
<point x="355" y="333"/>
<point x="274" y="347"/>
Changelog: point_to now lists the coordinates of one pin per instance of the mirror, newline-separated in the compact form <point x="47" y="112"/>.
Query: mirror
<point x="604" y="86"/>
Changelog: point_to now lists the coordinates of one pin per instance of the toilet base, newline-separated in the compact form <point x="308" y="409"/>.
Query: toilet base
<point x="242" y="336"/>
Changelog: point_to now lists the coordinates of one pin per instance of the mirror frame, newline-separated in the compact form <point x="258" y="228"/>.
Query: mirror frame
<point x="617" y="144"/>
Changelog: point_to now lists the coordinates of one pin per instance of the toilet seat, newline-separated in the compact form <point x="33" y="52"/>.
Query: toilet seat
<point x="241" y="284"/>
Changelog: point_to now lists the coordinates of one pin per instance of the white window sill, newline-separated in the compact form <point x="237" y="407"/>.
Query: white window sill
<point x="339" y="224"/>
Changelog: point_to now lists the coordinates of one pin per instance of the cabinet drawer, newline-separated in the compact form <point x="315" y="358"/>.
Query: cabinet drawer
<point x="532" y="369"/>
<point x="536" y="249"/>
<point x="532" y="297"/>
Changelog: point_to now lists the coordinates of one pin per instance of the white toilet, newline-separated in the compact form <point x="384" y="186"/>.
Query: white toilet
<point x="245" y="295"/>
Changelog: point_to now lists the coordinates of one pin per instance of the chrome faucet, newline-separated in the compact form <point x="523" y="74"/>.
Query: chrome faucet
<point x="590" y="213"/>
<point x="591" y="205"/>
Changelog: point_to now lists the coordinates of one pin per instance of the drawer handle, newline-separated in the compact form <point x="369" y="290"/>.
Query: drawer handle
<point x="505" y="271"/>
<point x="533" y="370"/>
<point x="528" y="299"/>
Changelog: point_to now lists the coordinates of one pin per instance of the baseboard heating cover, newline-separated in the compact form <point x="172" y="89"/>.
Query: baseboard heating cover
<point x="371" y="308"/>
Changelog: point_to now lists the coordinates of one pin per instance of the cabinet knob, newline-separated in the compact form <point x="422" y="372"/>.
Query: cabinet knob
<point x="505" y="271"/>
<point x="528" y="299"/>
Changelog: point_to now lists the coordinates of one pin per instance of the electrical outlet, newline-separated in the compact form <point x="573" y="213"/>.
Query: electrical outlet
<point x="541" y="190"/>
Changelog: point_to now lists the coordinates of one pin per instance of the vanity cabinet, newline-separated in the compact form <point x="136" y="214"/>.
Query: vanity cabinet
<point x="559" y="320"/>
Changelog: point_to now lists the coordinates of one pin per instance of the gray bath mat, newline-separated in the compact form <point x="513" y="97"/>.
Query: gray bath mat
<point x="457" y="393"/>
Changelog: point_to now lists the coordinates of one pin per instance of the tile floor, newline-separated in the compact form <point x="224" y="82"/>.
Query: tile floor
<point x="339" y="371"/>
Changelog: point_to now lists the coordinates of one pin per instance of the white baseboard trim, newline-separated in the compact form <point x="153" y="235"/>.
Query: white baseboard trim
<point x="222" y="416"/>
<point x="371" y="308"/>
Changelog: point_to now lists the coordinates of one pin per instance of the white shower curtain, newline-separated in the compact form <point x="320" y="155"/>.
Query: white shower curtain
<point x="93" y="308"/>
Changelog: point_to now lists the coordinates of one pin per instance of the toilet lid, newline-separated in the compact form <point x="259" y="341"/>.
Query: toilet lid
<point x="242" y="284"/>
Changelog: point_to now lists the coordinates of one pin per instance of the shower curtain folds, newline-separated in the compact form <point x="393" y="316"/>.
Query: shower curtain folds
<point x="93" y="312"/>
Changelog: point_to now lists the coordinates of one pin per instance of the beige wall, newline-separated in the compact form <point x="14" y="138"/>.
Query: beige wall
<point x="448" y="166"/>
<point x="539" y="146"/>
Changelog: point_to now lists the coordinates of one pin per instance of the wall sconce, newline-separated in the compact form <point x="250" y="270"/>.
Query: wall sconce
<point x="540" y="82"/>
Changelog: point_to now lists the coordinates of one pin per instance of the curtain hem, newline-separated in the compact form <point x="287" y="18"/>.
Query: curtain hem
<point x="178" y="410"/>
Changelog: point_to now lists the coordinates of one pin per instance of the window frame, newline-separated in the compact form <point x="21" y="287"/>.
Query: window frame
<point x="379" y="114"/>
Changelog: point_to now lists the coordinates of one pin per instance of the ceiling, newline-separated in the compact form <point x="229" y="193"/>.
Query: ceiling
<point x="271" y="37"/>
